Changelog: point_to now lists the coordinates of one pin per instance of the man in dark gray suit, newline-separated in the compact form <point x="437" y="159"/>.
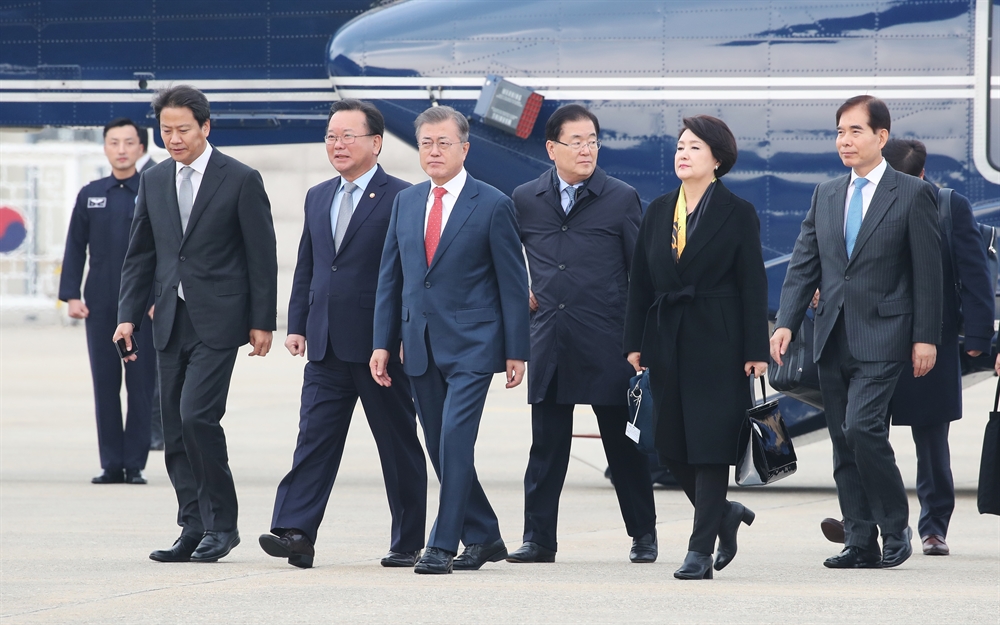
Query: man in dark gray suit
<point x="203" y="239"/>
<point x="871" y="243"/>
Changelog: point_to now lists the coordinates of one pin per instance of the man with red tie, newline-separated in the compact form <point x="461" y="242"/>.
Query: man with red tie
<point x="454" y="286"/>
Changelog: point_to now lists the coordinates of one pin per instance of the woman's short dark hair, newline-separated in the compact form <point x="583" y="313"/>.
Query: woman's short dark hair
<point x="373" y="117"/>
<point x="878" y="112"/>
<point x="120" y="122"/>
<point x="186" y="97"/>
<point x="716" y="134"/>
<point x="905" y="155"/>
<point x="568" y="113"/>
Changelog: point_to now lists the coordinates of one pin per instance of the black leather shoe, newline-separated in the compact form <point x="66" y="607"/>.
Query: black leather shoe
<point x="896" y="548"/>
<point x="134" y="476"/>
<point x="833" y="529"/>
<point x="532" y="552"/>
<point x="215" y="545"/>
<point x="696" y="566"/>
<point x="403" y="560"/>
<point x="644" y="549"/>
<point x="110" y="476"/>
<point x="291" y="544"/>
<point x="435" y="562"/>
<point x="180" y="552"/>
<point x="475" y="556"/>
<point x="737" y="513"/>
<point x="854" y="558"/>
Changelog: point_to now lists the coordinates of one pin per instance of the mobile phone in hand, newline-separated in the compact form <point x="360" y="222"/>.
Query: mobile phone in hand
<point x="124" y="351"/>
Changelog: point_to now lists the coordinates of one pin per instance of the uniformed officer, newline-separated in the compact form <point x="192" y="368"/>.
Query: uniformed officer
<point x="100" y="223"/>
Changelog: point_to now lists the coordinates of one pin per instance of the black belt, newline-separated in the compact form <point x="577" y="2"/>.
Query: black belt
<point x="667" y="299"/>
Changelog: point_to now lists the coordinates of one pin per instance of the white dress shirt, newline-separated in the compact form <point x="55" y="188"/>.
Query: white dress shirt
<point x="867" y="191"/>
<point x="454" y="188"/>
<point x="198" y="166"/>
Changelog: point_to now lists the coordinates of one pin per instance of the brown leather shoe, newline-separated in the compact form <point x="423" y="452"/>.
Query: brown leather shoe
<point x="934" y="545"/>
<point x="833" y="529"/>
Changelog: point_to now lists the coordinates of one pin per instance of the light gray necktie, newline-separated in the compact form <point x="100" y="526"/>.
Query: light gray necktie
<point x="344" y="216"/>
<point x="185" y="201"/>
<point x="185" y="196"/>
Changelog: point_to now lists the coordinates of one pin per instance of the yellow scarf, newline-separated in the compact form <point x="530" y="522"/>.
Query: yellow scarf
<point x="679" y="239"/>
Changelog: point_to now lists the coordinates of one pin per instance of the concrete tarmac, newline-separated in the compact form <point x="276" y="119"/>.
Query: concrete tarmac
<point x="73" y="552"/>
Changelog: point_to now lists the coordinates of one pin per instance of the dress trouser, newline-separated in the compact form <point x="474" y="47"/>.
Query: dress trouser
<point x="935" y="485"/>
<point x="330" y="391"/>
<point x="194" y="388"/>
<point x="856" y="397"/>
<point x="120" y="448"/>
<point x="705" y="486"/>
<point x="551" y="438"/>
<point x="450" y="406"/>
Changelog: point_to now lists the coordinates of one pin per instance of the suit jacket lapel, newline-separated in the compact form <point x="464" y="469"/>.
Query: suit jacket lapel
<point x="173" y="208"/>
<point x="717" y="211"/>
<point x="464" y="206"/>
<point x="210" y="183"/>
<point x="324" y="203"/>
<point x="832" y="207"/>
<point x="369" y="199"/>
<point x="885" y="196"/>
<point x="414" y="218"/>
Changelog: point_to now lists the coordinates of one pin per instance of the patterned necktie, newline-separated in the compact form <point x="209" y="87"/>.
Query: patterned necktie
<point x="433" y="235"/>
<point x="185" y="196"/>
<point x="854" y="214"/>
<point x="344" y="216"/>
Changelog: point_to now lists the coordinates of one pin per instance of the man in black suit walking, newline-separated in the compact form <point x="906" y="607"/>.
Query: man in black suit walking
<point x="330" y="314"/>
<point x="579" y="227"/>
<point x="871" y="243"/>
<point x="203" y="239"/>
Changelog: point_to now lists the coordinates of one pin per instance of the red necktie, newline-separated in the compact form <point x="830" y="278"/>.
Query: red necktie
<point x="433" y="235"/>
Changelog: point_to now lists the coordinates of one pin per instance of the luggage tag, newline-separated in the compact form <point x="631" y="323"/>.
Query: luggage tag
<point x="630" y="430"/>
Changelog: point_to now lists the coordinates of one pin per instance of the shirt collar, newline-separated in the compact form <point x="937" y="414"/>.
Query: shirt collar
<point x="132" y="182"/>
<point x="199" y="164"/>
<point x="873" y="177"/>
<point x="362" y="180"/>
<point x="455" y="185"/>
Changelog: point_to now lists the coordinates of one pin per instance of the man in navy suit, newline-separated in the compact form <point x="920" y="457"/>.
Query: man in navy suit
<point x="330" y="316"/>
<point x="100" y="225"/>
<point x="453" y="283"/>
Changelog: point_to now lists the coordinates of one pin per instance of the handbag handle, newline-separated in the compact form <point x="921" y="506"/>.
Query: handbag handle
<point x="996" y="401"/>
<point x="763" y="392"/>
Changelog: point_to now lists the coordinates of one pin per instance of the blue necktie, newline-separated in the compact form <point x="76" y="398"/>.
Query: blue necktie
<point x="568" y="196"/>
<point x="854" y="210"/>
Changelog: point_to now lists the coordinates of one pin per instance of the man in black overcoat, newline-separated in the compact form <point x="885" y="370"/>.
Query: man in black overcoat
<point x="579" y="226"/>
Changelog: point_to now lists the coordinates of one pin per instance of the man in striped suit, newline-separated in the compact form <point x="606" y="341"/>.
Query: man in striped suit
<point x="871" y="243"/>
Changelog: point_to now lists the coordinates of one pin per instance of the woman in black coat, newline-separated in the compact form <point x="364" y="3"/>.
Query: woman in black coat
<point x="697" y="319"/>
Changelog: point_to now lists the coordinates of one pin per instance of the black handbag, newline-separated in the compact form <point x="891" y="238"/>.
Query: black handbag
<point x="989" y="466"/>
<point x="765" y="452"/>
<point x="798" y="377"/>
<point x="641" y="427"/>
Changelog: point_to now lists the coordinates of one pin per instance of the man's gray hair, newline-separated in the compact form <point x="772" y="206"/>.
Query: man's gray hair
<point x="438" y="114"/>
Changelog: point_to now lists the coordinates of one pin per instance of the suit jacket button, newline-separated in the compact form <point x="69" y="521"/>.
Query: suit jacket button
<point x="562" y="267"/>
<point x="847" y="277"/>
<point x="334" y="268"/>
<point x="183" y="258"/>
<point x="427" y="285"/>
<point x="561" y="306"/>
<point x="565" y="228"/>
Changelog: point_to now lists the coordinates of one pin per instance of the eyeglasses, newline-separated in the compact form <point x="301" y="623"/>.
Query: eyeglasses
<point x="346" y="139"/>
<point x="576" y="146"/>
<point x="442" y="144"/>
